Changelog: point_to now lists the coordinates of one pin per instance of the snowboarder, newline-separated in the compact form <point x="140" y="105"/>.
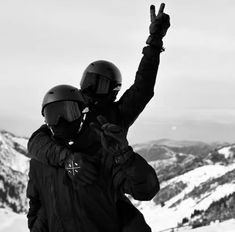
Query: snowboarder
<point x="101" y="100"/>
<point x="85" y="192"/>
<point x="100" y="84"/>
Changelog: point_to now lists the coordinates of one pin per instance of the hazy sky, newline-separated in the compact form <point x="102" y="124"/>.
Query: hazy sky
<point x="48" y="42"/>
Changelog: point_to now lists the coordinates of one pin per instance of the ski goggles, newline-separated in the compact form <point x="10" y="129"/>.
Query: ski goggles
<point x="98" y="84"/>
<point x="68" y="110"/>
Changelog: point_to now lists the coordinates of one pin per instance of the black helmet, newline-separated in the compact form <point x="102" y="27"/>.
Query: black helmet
<point x="101" y="77"/>
<point x="63" y="101"/>
<point x="62" y="93"/>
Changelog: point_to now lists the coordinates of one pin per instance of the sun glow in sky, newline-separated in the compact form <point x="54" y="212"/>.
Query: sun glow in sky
<point x="48" y="42"/>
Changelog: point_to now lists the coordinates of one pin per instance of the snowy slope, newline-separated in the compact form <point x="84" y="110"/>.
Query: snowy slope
<point x="198" y="190"/>
<point x="14" y="166"/>
<point x="226" y="226"/>
<point x="12" y="222"/>
<point x="183" y="205"/>
<point x="13" y="152"/>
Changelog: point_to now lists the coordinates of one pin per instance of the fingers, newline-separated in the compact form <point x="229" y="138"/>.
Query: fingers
<point x="96" y="126"/>
<point x="112" y="128"/>
<point x="104" y="142"/>
<point x="101" y="119"/>
<point x="152" y="13"/>
<point x="161" y="8"/>
<point x="115" y="136"/>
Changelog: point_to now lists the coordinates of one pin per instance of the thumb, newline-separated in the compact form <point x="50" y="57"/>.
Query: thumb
<point x="104" y="142"/>
<point x="102" y="120"/>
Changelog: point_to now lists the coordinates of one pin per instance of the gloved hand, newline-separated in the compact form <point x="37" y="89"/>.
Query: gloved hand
<point x="113" y="139"/>
<point x="159" y="25"/>
<point x="81" y="169"/>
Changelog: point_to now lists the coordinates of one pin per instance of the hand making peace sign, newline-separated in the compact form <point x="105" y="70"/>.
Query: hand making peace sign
<point x="160" y="22"/>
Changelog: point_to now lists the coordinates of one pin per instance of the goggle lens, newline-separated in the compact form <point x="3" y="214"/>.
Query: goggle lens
<point x="98" y="84"/>
<point x="68" y="110"/>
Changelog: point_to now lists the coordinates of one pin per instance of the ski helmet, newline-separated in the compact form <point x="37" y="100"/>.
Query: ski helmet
<point x="62" y="93"/>
<point x="62" y="101"/>
<point x="101" y="77"/>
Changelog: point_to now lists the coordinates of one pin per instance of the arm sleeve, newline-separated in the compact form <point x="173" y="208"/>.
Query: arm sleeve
<point x="137" y="178"/>
<point x="134" y="100"/>
<point x="43" y="148"/>
<point x="36" y="215"/>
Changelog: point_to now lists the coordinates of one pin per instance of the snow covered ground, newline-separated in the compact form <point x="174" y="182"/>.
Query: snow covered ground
<point x="160" y="218"/>
<point x="226" y="226"/>
<point x="11" y="222"/>
<point x="10" y="155"/>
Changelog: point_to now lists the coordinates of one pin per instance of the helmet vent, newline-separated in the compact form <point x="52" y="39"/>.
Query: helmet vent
<point x="51" y="92"/>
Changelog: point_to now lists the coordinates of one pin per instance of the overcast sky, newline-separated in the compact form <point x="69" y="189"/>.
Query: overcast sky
<point x="48" y="42"/>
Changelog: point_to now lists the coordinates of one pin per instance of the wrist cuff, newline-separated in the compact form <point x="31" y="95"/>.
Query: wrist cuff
<point x="156" y="42"/>
<point x="125" y="155"/>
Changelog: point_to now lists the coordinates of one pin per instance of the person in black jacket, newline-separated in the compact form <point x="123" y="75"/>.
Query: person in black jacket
<point x="85" y="191"/>
<point x="100" y="99"/>
<point x="100" y="84"/>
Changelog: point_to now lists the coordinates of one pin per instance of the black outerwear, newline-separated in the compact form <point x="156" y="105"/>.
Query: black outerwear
<point x="100" y="207"/>
<point x="122" y="112"/>
<point x="142" y="183"/>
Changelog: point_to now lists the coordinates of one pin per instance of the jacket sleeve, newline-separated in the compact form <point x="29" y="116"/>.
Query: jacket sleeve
<point x="37" y="221"/>
<point x="137" y="178"/>
<point x="43" y="148"/>
<point x="134" y="100"/>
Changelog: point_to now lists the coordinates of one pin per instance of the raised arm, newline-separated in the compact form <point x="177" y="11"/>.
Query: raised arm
<point x="139" y="94"/>
<point x="43" y="148"/>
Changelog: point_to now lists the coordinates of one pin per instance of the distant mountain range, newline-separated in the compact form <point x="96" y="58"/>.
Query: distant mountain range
<point x="197" y="180"/>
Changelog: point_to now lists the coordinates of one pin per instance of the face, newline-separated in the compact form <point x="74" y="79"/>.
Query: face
<point x="66" y="130"/>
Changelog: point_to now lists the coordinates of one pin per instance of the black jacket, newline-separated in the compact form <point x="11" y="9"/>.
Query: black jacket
<point x="100" y="207"/>
<point x="141" y="182"/>
<point x="122" y="112"/>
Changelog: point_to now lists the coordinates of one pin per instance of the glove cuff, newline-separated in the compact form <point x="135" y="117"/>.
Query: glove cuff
<point x="125" y="155"/>
<point x="155" y="42"/>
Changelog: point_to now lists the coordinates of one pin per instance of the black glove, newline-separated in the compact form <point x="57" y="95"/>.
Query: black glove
<point x="113" y="139"/>
<point x="158" y="27"/>
<point x="81" y="168"/>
